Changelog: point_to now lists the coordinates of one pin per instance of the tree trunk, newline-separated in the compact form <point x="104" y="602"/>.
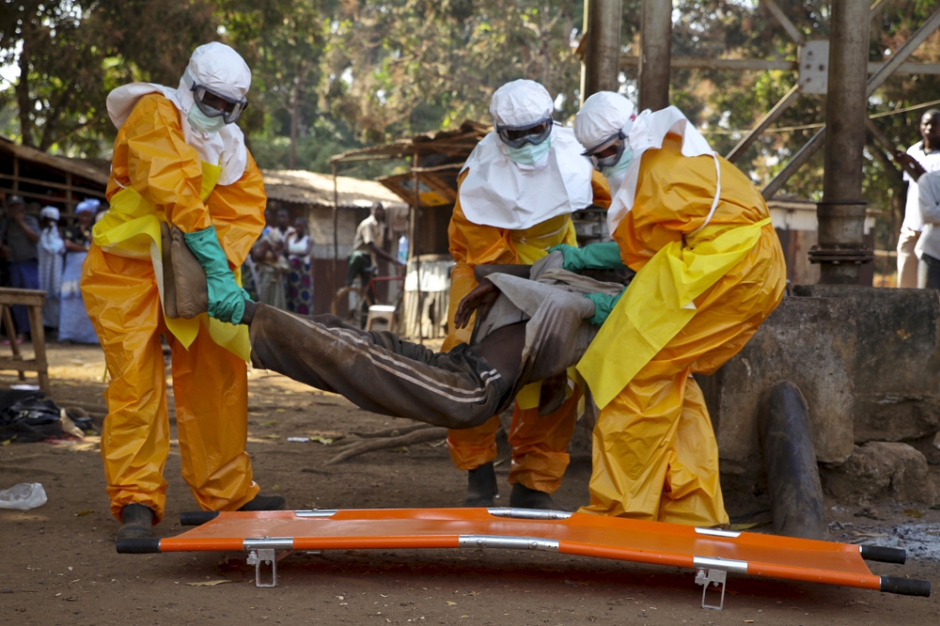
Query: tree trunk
<point x="23" y="102"/>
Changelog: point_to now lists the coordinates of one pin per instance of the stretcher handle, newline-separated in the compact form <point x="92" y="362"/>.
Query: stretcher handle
<point x="197" y="518"/>
<point x="883" y="554"/>
<point x="905" y="586"/>
<point x="138" y="545"/>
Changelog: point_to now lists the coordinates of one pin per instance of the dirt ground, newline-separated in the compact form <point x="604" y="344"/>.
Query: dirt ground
<point x="59" y="566"/>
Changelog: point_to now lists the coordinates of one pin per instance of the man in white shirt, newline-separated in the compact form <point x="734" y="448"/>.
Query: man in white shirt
<point x="924" y="156"/>
<point x="928" y="246"/>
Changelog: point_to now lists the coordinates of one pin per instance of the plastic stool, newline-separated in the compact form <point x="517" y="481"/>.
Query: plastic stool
<point x="384" y="312"/>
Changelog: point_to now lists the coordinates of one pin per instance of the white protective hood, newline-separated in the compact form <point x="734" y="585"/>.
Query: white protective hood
<point x="604" y="115"/>
<point x="213" y="65"/>
<point x="500" y="193"/>
<point x="648" y="132"/>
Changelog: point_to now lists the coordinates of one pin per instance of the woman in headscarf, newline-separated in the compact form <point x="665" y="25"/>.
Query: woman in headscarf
<point x="74" y="324"/>
<point x="50" y="250"/>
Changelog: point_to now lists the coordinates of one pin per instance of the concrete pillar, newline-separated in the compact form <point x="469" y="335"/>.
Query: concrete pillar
<point x="655" y="40"/>
<point x="842" y="211"/>
<point x="602" y="65"/>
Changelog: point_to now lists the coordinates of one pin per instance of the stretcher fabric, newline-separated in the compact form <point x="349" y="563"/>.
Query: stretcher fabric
<point x="698" y="296"/>
<point x="474" y="244"/>
<point x="576" y="534"/>
<point x="156" y="176"/>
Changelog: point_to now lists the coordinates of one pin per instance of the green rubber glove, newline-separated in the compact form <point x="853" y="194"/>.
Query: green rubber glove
<point x="595" y="256"/>
<point x="603" y="305"/>
<point x="226" y="298"/>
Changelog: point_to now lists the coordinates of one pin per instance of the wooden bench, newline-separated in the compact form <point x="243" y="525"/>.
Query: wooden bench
<point x="32" y="299"/>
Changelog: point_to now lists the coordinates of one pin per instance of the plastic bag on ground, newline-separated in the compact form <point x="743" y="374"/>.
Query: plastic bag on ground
<point x="23" y="497"/>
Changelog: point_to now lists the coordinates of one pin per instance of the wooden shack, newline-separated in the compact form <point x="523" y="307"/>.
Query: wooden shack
<point x="311" y="195"/>
<point x="46" y="179"/>
<point x="430" y="189"/>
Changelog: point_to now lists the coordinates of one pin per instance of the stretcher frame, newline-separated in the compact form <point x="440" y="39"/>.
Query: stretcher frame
<point x="269" y="536"/>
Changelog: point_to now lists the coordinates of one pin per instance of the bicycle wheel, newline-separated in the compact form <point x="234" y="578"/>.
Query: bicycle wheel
<point x="351" y="304"/>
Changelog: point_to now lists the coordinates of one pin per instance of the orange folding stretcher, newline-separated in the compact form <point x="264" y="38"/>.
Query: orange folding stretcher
<point x="712" y="553"/>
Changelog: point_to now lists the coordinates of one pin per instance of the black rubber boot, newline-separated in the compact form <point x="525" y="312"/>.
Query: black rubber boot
<point x="481" y="486"/>
<point x="136" y="522"/>
<point x="522" y="497"/>
<point x="262" y="502"/>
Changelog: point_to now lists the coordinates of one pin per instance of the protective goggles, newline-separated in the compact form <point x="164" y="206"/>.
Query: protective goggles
<point x="215" y="104"/>
<point x="518" y="136"/>
<point x="608" y="152"/>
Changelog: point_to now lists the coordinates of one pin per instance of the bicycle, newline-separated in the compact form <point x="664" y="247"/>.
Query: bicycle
<point x="351" y="304"/>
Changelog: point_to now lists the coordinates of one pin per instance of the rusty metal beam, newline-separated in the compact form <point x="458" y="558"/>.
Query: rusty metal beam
<point x="602" y="63"/>
<point x="841" y="214"/>
<point x="764" y="123"/>
<point x="781" y="17"/>
<point x="814" y="144"/>
<point x="761" y="65"/>
<point x="655" y="53"/>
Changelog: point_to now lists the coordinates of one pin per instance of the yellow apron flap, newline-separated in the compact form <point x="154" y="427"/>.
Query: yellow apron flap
<point x="131" y="228"/>
<point x="533" y="243"/>
<point x="658" y="304"/>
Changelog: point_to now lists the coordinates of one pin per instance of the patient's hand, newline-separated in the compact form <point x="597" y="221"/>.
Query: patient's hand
<point x="481" y="298"/>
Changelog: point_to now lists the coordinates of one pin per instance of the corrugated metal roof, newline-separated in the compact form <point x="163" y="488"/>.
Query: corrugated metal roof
<point x="303" y="187"/>
<point x="457" y="142"/>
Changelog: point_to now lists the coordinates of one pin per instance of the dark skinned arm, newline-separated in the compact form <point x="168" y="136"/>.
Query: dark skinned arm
<point x="382" y="254"/>
<point x="481" y="298"/>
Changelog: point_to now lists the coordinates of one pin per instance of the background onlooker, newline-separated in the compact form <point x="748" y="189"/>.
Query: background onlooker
<point x="299" y="278"/>
<point x="923" y="156"/>
<point x="74" y="324"/>
<point x="20" y="236"/>
<point x="270" y="267"/>
<point x="928" y="246"/>
<point x="50" y="250"/>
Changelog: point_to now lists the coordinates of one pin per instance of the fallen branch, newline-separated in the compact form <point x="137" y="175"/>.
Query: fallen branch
<point x="393" y="432"/>
<point x="418" y="436"/>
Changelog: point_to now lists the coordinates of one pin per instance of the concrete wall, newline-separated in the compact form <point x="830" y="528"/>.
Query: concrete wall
<point x="867" y="361"/>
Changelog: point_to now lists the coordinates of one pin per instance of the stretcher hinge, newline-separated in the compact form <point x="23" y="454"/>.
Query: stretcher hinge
<point x="260" y="558"/>
<point x="708" y="578"/>
<point x="712" y="572"/>
<point x="262" y="553"/>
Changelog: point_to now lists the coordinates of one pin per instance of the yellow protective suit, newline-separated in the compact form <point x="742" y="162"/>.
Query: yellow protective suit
<point x="695" y="301"/>
<point x="539" y="444"/>
<point x="155" y="174"/>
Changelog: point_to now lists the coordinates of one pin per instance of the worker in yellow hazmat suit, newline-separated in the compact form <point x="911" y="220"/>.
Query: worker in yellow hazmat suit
<point x="709" y="271"/>
<point x="178" y="158"/>
<point x="515" y="194"/>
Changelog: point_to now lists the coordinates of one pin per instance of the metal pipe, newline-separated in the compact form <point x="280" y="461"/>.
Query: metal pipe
<point x="655" y="51"/>
<point x="602" y="66"/>
<point x="785" y="432"/>
<point x="842" y="213"/>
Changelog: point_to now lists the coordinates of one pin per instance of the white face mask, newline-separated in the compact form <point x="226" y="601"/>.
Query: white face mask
<point x="617" y="170"/>
<point x="530" y="154"/>
<point x="202" y="122"/>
